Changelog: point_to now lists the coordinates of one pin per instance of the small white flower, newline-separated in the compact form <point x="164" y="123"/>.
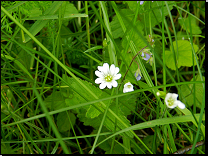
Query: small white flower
<point x="171" y="101"/>
<point x="128" y="87"/>
<point x="107" y="77"/>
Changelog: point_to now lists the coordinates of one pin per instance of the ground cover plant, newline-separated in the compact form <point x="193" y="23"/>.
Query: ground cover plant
<point x="102" y="77"/>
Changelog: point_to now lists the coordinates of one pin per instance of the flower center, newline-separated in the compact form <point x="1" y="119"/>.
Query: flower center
<point x="170" y="101"/>
<point x="108" y="78"/>
<point x="129" y="86"/>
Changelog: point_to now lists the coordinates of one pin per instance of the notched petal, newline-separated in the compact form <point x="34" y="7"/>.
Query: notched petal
<point x="118" y="76"/>
<point x="102" y="85"/>
<point x="98" y="81"/>
<point x="98" y="74"/>
<point x="115" y="83"/>
<point x="181" y="105"/>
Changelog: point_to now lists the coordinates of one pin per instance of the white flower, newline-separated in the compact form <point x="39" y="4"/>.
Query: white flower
<point x="107" y="77"/>
<point x="171" y="101"/>
<point x="128" y="87"/>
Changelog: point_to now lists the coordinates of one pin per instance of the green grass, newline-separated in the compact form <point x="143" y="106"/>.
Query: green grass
<point x="50" y="103"/>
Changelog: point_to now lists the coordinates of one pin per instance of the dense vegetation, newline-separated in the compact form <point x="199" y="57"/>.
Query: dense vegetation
<point x="59" y="96"/>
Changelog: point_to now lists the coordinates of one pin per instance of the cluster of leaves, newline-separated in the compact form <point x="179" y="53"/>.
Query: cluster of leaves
<point x="73" y="44"/>
<point x="91" y="115"/>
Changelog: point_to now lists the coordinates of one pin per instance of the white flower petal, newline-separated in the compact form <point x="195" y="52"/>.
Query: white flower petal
<point x="109" y="85"/>
<point x="116" y="70"/>
<point x="118" y="76"/>
<point x="98" y="81"/>
<point x="100" y="68"/>
<point x="112" y="69"/>
<point x="105" y="68"/>
<point x="171" y="95"/>
<point x="115" y="84"/>
<point x="103" y="85"/>
<point x="181" y="105"/>
<point x="98" y="74"/>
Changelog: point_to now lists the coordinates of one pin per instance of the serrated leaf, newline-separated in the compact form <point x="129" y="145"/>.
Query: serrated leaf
<point x="130" y="101"/>
<point x="188" y="93"/>
<point x="85" y="96"/>
<point x="55" y="101"/>
<point x="63" y="122"/>
<point x="94" y="113"/>
<point x="184" y="54"/>
<point x="195" y="28"/>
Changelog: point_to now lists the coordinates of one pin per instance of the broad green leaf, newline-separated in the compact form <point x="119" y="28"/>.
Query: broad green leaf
<point x="94" y="122"/>
<point x="184" y="54"/>
<point x="181" y="35"/>
<point x="68" y="9"/>
<point x="130" y="101"/>
<point x="188" y="93"/>
<point x="55" y="101"/>
<point x="117" y="31"/>
<point x="195" y="28"/>
<point x="109" y="121"/>
<point x="92" y="112"/>
<point x="63" y="122"/>
<point x="92" y="115"/>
